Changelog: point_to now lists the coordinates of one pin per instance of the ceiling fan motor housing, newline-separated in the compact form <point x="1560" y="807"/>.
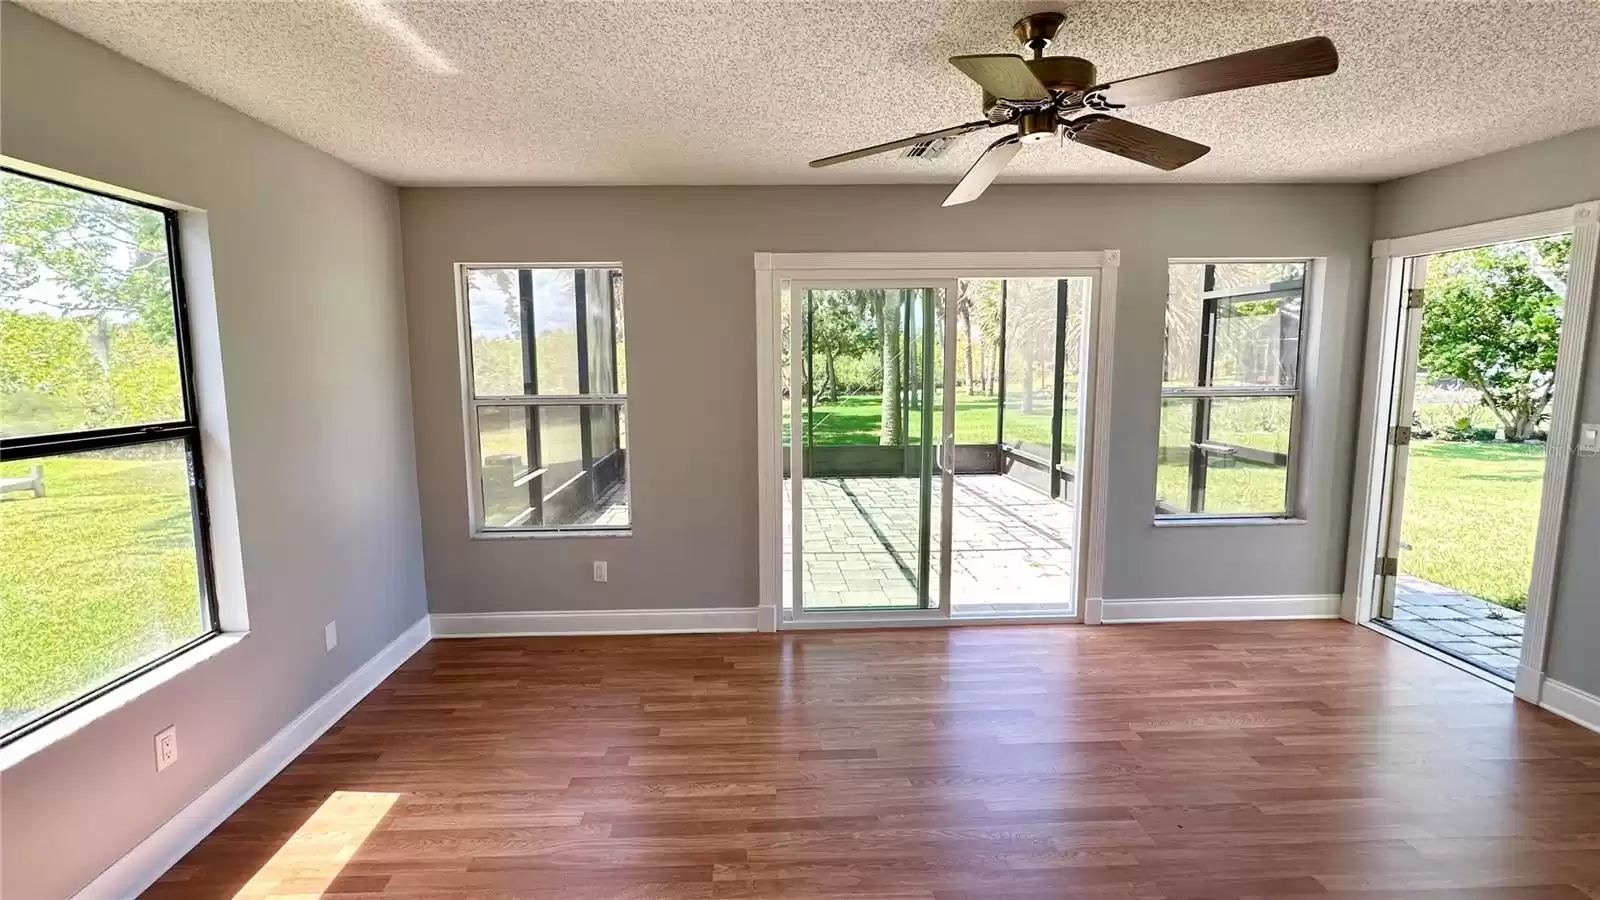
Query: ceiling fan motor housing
<point x="1036" y="126"/>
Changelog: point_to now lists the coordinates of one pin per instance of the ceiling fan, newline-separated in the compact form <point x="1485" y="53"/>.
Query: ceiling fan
<point x="1049" y="95"/>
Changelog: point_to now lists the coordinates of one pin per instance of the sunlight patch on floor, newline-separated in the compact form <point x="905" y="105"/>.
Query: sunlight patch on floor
<point x="307" y="864"/>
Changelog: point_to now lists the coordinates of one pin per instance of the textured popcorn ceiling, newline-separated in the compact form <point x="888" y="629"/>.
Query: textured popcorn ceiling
<point x="745" y="92"/>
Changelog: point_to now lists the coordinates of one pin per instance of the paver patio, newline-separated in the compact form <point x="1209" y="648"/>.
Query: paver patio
<point x="1011" y="545"/>
<point x="1482" y="633"/>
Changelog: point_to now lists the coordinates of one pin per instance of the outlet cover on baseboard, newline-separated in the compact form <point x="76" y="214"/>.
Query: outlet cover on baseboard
<point x="330" y="635"/>
<point x="166" y="747"/>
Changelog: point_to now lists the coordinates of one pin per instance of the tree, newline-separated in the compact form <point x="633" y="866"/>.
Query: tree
<point x="887" y="306"/>
<point x="976" y="298"/>
<point x="839" y="328"/>
<point x="1492" y="320"/>
<point x="87" y="332"/>
<point x="105" y="259"/>
<point x="1030" y="336"/>
<point x="987" y="310"/>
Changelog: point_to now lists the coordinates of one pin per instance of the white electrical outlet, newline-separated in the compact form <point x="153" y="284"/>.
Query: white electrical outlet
<point x="166" y="747"/>
<point x="330" y="635"/>
<point x="1589" y="439"/>
<point x="600" y="570"/>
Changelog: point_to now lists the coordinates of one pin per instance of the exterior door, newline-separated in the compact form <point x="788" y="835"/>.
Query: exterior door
<point x="867" y="461"/>
<point x="1414" y="276"/>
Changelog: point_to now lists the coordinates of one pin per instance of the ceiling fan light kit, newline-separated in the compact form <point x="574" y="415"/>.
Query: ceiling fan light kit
<point x="1047" y="96"/>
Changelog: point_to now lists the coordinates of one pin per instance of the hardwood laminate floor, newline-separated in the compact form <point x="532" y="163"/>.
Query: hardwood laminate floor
<point x="1167" y="762"/>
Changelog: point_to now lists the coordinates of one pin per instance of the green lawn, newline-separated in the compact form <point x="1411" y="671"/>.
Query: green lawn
<point x="96" y="576"/>
<point x="1470" y="516"/>
<point x="858" y="420"/>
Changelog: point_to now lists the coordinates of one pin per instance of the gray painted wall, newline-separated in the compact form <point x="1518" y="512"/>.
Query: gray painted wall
<point x="1550" y="174"/>
<point x="313" y="347"/>
<point x="687" y="253"/>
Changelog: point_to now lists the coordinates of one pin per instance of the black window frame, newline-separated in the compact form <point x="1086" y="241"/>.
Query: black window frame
<point x="1203" y="392"/>
<point x="187" y="430"/>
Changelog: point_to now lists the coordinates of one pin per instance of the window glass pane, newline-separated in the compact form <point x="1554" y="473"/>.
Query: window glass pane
<point x="555" y="327"/>
<point x="495" y="317"/>
<point x="619" y="358"/>
<point x="87" y="338"/>
<point x="1231" y="458"/>
<point x="553" y="466"/>
<point x="1257" y="342"/>
<point x="1030" y="305"/>
<point x="98" y="571"/>
<point x="1078" y="294"/>
<point x="574" y="315"/>
<point x="1254" y="330"/>
<point x="602" y="340"/>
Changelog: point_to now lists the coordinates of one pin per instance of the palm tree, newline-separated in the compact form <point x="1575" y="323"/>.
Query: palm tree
<point x="887" y="305"/>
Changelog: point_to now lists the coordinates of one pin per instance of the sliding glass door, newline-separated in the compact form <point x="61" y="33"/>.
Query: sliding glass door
<point x="931" y="437"/>
<point x="866" y="427"/>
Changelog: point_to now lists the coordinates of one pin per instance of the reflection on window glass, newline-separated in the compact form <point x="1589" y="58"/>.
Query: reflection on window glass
<point x="87" y="335"/>
<point x="98" y="571"/>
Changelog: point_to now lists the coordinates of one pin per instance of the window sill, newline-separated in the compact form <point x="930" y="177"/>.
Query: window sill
<point x="42" y="738"/>
<point x="550" y="535"/>
<point x="1200" y="521"/>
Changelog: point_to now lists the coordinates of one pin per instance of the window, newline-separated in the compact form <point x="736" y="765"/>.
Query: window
<point x="104" y="566"/>
<point x="1230" y="390"/>
<point x="546" y="399"/>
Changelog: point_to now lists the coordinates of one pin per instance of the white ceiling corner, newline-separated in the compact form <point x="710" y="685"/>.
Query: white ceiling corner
<point x="745" y="92"/>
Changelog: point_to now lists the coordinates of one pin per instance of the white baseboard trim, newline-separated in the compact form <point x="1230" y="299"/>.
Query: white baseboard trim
<point x="1220" y="609"/>
<point x="142" y="865"/>
<point x="768" y="618"/>
<point x="1571" y="703"/>
<point x="1530" y="681"/>
<point x="595" y="622"/>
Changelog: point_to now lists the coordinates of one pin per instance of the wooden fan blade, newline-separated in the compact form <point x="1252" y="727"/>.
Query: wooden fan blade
<point x="1307" y="58"/>
<point x="984" y="171"/>
<point x="903" y="142"/>
<point x="1136" y="142"/>
<point x="1004" y="75"/>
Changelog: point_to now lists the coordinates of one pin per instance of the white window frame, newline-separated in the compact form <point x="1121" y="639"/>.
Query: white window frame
<point x="471" y="403"/>
<point x="1310" y="301"/>
<point x="1385" y="318"/>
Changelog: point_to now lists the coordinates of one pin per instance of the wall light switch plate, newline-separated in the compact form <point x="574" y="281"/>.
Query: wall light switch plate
<point x="600" y="570"/>
<point x="166" y="747"/>
<point x="1589" y="439"/>
<point x="330" y="635"/>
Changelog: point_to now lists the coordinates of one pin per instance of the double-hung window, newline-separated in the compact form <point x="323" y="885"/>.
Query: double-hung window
<point x="546" y="398"/>
<point x="1230" y="392"/>
<point x="104" y="563"/>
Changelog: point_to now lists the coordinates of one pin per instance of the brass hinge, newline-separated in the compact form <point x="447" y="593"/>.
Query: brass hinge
<point x="1387" y="566"/>
<point x="1414" y="298"/>
<point x="1399" y="435"/>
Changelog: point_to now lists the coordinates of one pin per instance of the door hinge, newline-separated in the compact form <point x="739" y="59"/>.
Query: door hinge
<point x="1388" y="566"/>
<point x="1414" y="298"/>
<point x="1399" y="435"/>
